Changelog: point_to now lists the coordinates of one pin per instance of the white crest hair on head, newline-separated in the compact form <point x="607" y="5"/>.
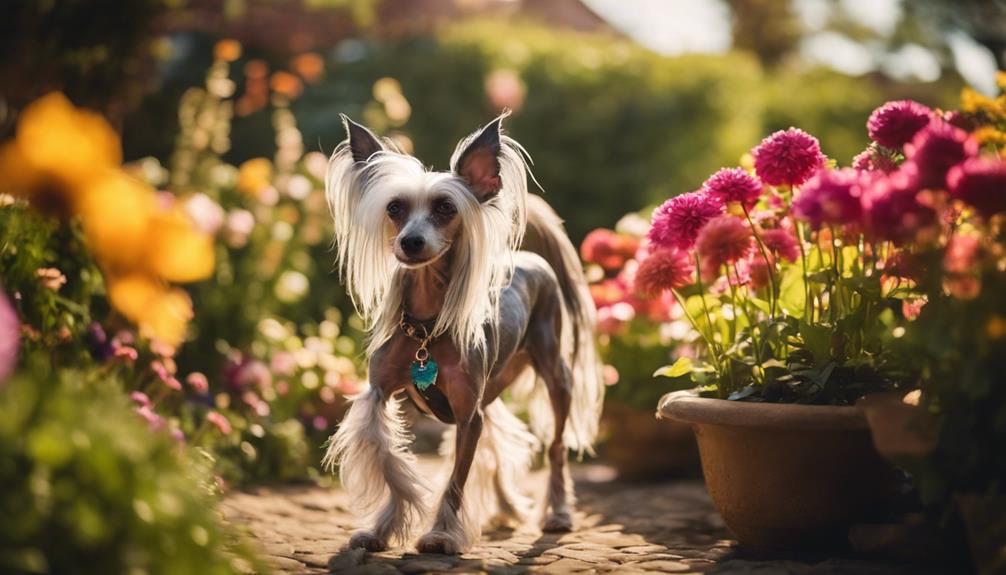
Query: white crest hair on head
<point x="482" y="254"/>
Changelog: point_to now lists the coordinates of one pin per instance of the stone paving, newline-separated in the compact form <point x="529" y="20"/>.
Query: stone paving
<point x="625" y="528"/>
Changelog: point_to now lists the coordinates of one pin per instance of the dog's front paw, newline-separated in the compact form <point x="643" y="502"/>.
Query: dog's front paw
<point x="558" y="522"/>
<point x="367" y="540"/>
<point x="438" y="542"/>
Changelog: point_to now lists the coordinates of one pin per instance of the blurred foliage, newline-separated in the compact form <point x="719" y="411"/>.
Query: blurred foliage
<point x="769" y="28"/>
<point x="611" y="126"/>
<point x="84" y="488"/>
<point x="93" y="51"/>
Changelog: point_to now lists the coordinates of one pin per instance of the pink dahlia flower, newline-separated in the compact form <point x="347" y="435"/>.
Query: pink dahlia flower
<point x="663" y="270"/>
<point x="870" y="160"/>
<point x="782" y="243"/>
<point x="10" y="337"/>
<point x="936" y="149"/>
<point x="830" y="197"/>
<point x="892" y="208"/>
<point x="980" y="182"/>
<point x="734" y="185"/>
<point x="758" y="270"/>
<point x="895" y="123"/>
<point x="787" y="157"/>
<point x="723" y="240"/>
<point x="676" y="223"/>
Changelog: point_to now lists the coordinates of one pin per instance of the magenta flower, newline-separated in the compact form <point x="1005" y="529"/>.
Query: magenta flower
<point x="663" y="270"/>
<point x="217" y="420"/>
<point x="895" y="123"/>
<point x="781" y="243"/>
<point x="787" y="157"/>
<point x="198" y="382"/>
<point x="830" y="197"/>
<point x="10" y="337"/>
<point x="734" y="185"/>
<point x="871" y="159"/>
<point x="980" y="182"/>
<point x="759" y="270"/>
<point x="936" y="149"/>
<point x="722" y="241"/>
<point x="676" y="223"/>
<point x="140" y="399"/>
<point x="892" y="208"/>
<point x="156" y="422"/>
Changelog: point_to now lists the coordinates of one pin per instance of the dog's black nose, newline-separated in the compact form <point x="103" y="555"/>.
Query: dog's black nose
<point x="412" y="245"/>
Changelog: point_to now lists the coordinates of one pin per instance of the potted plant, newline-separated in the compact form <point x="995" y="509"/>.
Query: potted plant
<point x="951" y="435"/>
<point x="636" y="331"/>
<point x="789" y="272"/>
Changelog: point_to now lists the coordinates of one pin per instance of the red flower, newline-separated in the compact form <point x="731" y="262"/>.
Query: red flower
<point x="723" y="241"/>
<point x="608" y="249"/>
<point x="895" y="123"/>
<point x="980" y="182"/>
<point x="782" y="243"/>
<point x="676" y="223"/>
<point x="663" y="270"/>
<point x="787" y="157"/>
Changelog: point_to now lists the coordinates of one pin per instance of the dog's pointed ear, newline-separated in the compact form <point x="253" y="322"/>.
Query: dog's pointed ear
<point x="477" y="159"/>
<point x="362" y="142"/>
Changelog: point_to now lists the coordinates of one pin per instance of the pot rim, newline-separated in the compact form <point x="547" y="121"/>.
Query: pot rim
<point x="687" y="406"/>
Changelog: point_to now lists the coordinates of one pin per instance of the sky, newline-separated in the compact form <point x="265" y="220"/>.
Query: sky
<point x="682" y="26"/>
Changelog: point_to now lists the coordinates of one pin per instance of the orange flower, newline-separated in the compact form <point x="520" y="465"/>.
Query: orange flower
<point x="58" y="150"/>
<point x="178" y="252"/>
<point x="310" y="66"/>
<point x="286" y="84"/>
<point x="116" y="211"/>
<point x="254" y="176"/>
<point x="227" y="50"/>
<point x="161" y="312"/>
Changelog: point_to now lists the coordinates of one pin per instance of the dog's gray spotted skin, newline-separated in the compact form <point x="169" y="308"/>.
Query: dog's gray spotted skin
<point x="444" y="247"/>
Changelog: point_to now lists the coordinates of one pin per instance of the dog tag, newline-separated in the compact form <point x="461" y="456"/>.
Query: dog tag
<point x="424" y="375"/>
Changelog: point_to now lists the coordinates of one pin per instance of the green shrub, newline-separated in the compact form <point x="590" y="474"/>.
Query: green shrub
<point x="85" y="487"/>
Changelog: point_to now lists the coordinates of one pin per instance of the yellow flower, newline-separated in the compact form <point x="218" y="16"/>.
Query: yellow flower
<point x="161" y="312"/>
<point x="57" y="150"/>
<point x="178" y="252"/>
<point x="116" y="211"/>
<point x="254" y="176"/>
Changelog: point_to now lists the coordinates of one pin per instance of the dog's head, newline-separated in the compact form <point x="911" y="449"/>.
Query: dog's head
<point x="392" y="214"/>
<point x="425" y="211"/>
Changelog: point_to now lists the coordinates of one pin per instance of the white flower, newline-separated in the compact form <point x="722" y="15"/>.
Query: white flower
<point x="238" y="227"/>
<point x="291" y="286"/>
<point x="205" y="213"/>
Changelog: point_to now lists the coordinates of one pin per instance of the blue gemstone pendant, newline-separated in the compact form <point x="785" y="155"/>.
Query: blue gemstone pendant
<point x="424" y="375"/>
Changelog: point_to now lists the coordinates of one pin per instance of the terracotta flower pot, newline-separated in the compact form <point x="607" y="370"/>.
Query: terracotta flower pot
<point x="786" y="476"/>
<point x="642" y="447"/>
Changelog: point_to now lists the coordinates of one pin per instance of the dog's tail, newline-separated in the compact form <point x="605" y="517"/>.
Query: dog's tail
<point x="547" y="237"/>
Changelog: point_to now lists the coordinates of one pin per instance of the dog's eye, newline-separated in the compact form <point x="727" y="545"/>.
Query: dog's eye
<point x="445" y="207"/>
<point x="394" y="208"/>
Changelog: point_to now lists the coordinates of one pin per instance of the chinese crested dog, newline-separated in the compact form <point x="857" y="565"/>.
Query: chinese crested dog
<point x="457" y="313"/>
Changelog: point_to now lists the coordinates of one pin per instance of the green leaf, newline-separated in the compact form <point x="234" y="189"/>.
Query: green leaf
<point x="817" y="340"/>
<point x="680" y="367"/>
<point x="792" y="292"/>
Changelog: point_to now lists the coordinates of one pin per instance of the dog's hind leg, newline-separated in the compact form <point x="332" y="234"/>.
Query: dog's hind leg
<point x="545" y="350"/>
<point x="378" y="472"/>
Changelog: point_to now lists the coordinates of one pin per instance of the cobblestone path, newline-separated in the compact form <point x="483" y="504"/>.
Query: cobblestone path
<point x="621" y="528"/>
